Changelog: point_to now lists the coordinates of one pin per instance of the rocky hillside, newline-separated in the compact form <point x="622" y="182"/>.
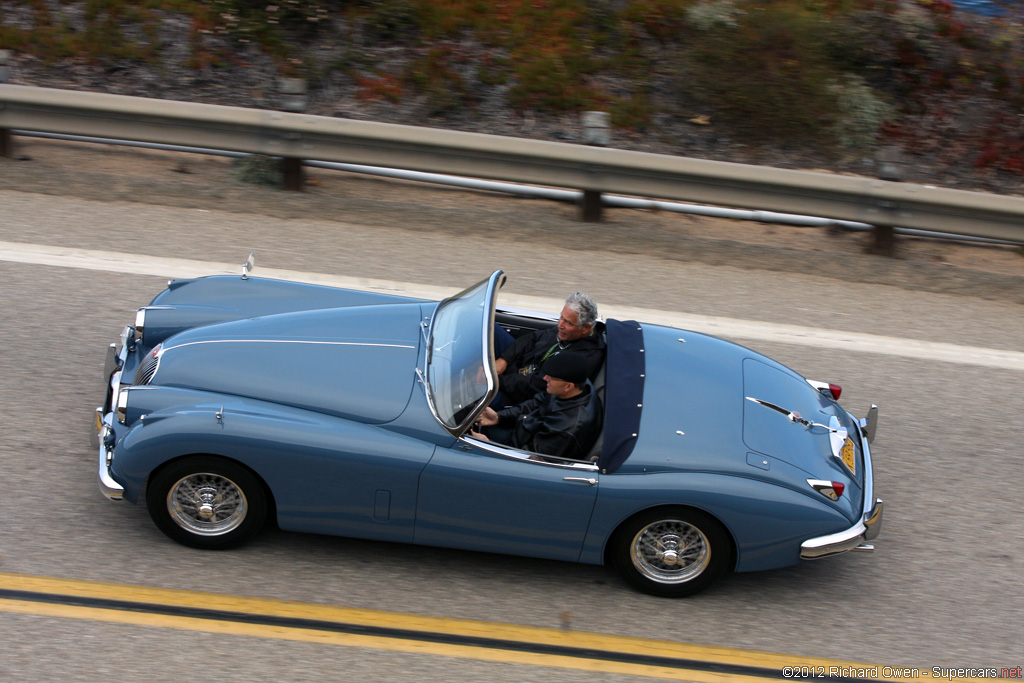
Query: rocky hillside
<point x="789" y="83"/>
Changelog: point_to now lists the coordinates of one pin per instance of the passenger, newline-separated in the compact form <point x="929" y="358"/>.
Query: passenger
<point x="518" y="378"/>
<point x="563" y="421"/>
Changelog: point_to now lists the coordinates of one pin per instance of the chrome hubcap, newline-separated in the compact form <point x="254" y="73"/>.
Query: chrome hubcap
<point x="207" y="504"/>
<point x="670" y="551"/>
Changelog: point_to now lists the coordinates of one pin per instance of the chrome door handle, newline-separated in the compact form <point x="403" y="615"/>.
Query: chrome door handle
<point x="592" y="482"/>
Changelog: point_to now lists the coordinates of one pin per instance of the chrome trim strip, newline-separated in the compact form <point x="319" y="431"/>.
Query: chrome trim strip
<point x="539" y="458"/>
<point x="288" y="341"/>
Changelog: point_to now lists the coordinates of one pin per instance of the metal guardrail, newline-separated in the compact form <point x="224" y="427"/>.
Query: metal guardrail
<point x="600" y="169"/>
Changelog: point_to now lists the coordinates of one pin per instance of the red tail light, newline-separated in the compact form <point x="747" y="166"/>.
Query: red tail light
<point x="833" y="490"/>
<point x="827" y="388"/>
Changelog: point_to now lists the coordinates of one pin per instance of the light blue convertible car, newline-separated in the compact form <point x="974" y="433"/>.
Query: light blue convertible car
<point x="234" y="400"/>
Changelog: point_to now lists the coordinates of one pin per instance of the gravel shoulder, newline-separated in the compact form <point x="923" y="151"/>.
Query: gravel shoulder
<point x="115" y="174"/>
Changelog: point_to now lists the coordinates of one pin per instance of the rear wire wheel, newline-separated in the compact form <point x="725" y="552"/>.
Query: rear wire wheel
<point x="207" y="502"/>
<point x="671" y="552"/>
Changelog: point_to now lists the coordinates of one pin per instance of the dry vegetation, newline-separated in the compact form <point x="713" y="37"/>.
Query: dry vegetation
<point x="809" y="83"/>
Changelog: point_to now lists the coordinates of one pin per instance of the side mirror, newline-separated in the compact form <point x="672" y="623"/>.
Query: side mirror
<point x="247" y="267"/>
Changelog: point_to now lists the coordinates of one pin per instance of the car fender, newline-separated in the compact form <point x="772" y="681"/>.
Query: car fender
<point x="767" y="522"/>
<point x="365" y="483"/>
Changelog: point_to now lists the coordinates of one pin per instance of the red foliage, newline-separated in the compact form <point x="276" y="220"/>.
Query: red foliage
<point x="385" y="87"/>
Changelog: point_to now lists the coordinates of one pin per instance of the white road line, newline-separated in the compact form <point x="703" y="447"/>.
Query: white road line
<point x="730" y="328"/>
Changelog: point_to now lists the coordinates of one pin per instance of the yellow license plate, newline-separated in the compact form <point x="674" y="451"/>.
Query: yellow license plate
<point x="849" y="456"/>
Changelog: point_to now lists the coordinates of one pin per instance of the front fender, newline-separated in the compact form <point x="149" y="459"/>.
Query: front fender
<point x="767" y="522"/>
<point x="326" y="474"/>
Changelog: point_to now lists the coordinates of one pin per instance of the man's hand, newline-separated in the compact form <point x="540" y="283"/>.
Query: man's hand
<point x="500" y="366"/>
<point x="488" y="418"/>
<point x="478" y="435"/>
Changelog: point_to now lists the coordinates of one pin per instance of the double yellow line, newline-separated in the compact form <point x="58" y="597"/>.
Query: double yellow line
<point x="478" y="640"/>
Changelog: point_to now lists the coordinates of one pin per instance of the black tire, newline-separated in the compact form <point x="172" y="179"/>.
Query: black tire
<point x="671" y="552"/>
<point x="207" y="502"/>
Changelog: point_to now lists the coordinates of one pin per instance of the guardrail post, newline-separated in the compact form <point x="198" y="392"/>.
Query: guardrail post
<point x="890" y="167"/>
<point x="6" y="143"/>
<point x="294" y="100"/>
<point x="595" y="132"/>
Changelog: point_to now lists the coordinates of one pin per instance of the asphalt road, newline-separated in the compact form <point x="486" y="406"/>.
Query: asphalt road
<point x="941" y="589"/>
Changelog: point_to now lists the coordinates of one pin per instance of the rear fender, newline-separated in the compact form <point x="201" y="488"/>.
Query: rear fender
<point x="767" y="522"/>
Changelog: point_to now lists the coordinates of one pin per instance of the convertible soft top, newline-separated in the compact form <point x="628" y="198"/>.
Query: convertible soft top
<point x="623" y="392"/>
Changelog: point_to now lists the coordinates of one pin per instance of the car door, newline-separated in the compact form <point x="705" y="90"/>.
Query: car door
<point x="481" y="496"/>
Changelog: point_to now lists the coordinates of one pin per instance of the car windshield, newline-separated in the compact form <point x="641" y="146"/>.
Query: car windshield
<point x="460" y="366"/>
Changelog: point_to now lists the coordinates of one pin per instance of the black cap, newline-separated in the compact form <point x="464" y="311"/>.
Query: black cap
<point x="567" y="366"/>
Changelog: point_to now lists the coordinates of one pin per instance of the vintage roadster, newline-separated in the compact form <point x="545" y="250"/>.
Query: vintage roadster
<point x="234" y="400"/>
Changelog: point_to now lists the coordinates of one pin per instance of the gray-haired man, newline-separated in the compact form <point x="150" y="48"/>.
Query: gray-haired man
<point x="576" y="333"/>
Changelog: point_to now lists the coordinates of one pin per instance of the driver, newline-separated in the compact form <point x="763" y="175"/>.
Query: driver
<point x="564" y="420"/>
<point x="517" y="366"/>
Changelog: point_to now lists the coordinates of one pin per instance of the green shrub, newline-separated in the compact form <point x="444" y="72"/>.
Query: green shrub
<point x="767" y="76"/>
<point x="391" y="20"/>
<point x="861" y="113"/>
<point x="258" y="169"/>
<point x="709" y="16"/>
<point x="433" y="75"/>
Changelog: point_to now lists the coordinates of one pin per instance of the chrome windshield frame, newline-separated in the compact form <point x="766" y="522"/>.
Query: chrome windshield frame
<point x="493" y="283"/>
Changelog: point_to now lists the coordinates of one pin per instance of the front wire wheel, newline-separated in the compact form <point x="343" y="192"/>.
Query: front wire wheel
<point x="207" y="502"/>
<point x="672" y="553"/>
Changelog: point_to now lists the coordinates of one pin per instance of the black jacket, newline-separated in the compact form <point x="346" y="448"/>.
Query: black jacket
<point x="548" y="425"/>
<point x="524" y="356"/>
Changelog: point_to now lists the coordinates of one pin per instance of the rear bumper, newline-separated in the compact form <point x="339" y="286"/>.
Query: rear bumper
<point x="853" y="538"/>
<point x="856" y="537"/>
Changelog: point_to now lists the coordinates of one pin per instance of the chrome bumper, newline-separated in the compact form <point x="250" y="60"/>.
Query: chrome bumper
<point x="852" y="539"/>
<point x="110" y="488"/>
<point x="103" y="420"/>
<point x="867" y="529"/>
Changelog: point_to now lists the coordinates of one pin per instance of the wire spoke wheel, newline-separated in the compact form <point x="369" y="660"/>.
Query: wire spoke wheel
<point x="207" y="504"/>
<point x="670" y="551"/>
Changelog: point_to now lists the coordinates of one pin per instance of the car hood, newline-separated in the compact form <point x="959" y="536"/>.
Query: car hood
<point x="216" y="299"/>
<point x="358" y="363"/>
